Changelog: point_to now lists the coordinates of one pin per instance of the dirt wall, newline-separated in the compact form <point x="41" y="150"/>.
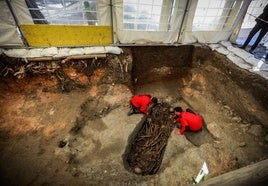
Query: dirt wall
<point x="66" y="122"/>
<point x="156" y="63"/>
<point x="245" y="92"/>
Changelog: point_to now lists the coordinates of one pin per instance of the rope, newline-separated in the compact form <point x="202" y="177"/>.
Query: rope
<point x="258" y="18"/>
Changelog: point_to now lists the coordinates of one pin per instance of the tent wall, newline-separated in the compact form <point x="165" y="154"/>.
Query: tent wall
<point x="190" y="36"/>
<point x="111" y="26"/>
<point x="21" y="11"/>
<point x="9" y="35"/>
<point x="142" y="37"/>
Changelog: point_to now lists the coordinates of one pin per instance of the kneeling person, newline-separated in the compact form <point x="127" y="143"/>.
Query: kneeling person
<point x="188" y="120"/>
<point x="140" y="103"/>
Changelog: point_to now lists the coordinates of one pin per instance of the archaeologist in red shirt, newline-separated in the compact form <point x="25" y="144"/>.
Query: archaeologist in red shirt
<point x="140" y="103"/>
<point x="188" y="120"/>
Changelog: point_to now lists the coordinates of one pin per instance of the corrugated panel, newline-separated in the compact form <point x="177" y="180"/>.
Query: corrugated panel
<point x="41" y="35"/>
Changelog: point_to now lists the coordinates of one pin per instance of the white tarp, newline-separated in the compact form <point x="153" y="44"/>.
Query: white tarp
<point x="21" y="11"/>
<point x="241" y="58"/>
<point x="9" y="35"/>
<point x="104" y="12"/>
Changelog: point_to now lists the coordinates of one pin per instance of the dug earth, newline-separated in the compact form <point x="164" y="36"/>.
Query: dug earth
<point x="66" y="123"/>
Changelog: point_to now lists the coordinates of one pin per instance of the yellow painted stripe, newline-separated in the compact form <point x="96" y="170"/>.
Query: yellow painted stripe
<point x="42" y="35"/>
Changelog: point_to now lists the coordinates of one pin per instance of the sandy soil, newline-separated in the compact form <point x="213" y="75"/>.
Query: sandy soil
<point x="70" y="127"/>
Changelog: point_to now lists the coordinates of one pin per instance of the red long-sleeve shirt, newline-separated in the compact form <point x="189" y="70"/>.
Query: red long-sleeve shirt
<point x="141" y="102"/>
<point x="193" y="121"/>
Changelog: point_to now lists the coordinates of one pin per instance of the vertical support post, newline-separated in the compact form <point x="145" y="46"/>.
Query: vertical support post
<point x="239" y="21"/>
<point x="112" y="21"/>
<point x="183" y="18"/>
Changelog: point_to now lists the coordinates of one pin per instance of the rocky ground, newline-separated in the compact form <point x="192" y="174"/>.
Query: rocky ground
<point x="67" y="124"/>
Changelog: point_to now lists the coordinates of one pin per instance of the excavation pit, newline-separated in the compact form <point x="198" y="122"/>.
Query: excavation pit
<point x="84" y="103"/>
<point x="147" y="149"/>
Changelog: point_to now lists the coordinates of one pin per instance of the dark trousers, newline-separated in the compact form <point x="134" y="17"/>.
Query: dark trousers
<point x="263" y="30"/>
<point x="135" y="110"/>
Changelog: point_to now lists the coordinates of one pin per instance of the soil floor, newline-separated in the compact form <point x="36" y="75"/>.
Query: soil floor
<point x="53" y="136"/>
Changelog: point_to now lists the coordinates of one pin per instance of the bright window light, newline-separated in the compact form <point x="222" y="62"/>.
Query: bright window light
<point x="254" y="10"/>
<point x="213" y="15"/>
<point x="142" y="15"/>
<point x="63" y="11"/>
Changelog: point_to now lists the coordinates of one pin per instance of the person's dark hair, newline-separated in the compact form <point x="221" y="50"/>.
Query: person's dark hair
<point x="178" y="109"/>
<point x="154" y="100"/>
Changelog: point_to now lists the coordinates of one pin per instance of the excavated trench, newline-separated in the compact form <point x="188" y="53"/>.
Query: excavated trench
<point x="187" y="74"/>
<point x="75" y="114"/>
<point x="148" y="142"/>
<point x="147" y="148"/>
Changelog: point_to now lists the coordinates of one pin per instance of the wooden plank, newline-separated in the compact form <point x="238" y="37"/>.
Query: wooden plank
<point x="51" y="58"/>
<point x="255" y="174"/>
<point x="43" y="35"/>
